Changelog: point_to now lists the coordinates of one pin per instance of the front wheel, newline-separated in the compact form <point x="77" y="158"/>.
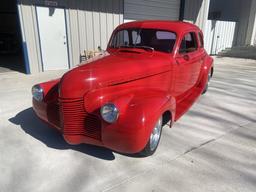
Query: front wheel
<point x="153" y="139"/>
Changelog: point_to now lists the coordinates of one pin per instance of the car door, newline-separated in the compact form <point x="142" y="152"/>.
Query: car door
<point x="187" y="68"/>
<point x="201" y="53"/>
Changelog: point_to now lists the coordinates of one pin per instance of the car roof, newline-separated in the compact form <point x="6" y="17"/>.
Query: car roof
<point x="175" y="26"/>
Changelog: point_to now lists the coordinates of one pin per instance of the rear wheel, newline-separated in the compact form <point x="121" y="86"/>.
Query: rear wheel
<point x="208" y="82"/>
<point x="153" y="139"/>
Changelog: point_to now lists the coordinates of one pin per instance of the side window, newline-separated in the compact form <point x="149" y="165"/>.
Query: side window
<point x="163" y="41"/>
<point x="201" y="40"/>
<point x="188" y="43"/>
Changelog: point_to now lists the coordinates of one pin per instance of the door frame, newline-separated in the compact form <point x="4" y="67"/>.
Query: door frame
<point x="39" y="37"/>
<point x="23" y="43"/>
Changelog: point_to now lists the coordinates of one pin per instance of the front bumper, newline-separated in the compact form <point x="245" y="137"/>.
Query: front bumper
<point x="70" y="118"/>
<point x="77" y="126"/>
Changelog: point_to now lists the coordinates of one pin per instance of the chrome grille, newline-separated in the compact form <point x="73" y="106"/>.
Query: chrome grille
<point x="76" y="121"/>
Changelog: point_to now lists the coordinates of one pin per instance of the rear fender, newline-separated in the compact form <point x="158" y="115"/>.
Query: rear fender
<point x="205" y="69"/>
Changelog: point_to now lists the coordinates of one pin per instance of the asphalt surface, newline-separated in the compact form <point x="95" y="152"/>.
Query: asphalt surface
<point x="211" y="148"/>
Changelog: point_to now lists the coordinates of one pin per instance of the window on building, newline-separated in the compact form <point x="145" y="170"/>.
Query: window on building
<point x="188" y="43"/>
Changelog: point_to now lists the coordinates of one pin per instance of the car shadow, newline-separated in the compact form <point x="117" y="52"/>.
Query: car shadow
<point x="33" y="126"/>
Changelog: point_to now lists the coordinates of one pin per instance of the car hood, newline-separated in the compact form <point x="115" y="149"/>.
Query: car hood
<point x="112" y="69"/>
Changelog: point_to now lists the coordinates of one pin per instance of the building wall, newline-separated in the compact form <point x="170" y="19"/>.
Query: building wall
<point x="251" y="30"/>
<point x="240" y="11"/>
<point x="196" y="12"/>
<point x="228" y="10"/>
<point x="254" y="41"/>
<point x="243" y="22"/>
<point x="89" y="25"/>
<point x="153" y="9"/>
<point x="233" y="10"/>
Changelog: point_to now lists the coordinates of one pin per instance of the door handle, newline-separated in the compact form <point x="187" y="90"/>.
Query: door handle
<point x="180" y="59"/>
<point x="186" y="57"/>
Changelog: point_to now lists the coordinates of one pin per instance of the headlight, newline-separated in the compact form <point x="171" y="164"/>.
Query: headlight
<point x="38" y="92"/>
<point x="109" y="113"/>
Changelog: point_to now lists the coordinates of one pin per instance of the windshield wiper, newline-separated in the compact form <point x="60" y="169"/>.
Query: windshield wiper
<point x="138" y="47"/>
<point x="144" y="47"/>
<point x="125" y="46"/>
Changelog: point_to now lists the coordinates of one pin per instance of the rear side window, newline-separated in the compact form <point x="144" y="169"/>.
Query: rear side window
<point x="163" y="41"/>
<point x="188" y="43"/>
<point x="165" y="35"/>
<point x="201" y="40"/>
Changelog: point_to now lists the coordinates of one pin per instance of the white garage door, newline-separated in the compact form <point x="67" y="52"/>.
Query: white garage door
<point x="151" y="9"/>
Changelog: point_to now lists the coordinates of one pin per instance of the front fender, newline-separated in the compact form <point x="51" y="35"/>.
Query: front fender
<point x="139" y="111"/>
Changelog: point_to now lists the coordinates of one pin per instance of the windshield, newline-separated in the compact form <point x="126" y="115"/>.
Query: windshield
<point x="153" y="39"/>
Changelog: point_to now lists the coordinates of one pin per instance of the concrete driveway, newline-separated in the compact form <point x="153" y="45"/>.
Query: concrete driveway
<point x="211" y="148"/>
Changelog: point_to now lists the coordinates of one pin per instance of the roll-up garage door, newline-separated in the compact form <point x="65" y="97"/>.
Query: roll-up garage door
<point x="151" y="9"/>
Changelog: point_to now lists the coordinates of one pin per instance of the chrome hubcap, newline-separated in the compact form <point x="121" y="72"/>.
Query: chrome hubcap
<point x="209" y="78"/>
<point x="155" y="135"/>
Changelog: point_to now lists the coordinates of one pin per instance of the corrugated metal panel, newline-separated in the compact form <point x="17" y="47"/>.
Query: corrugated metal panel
<point x="92" y="23"/>
<point x="151" y="9"/>
<point x="251" y="31"/>
<point x="236" y="11"/>
<point x="89" y="25"/>
<point x="219" y="35"/>
<point x="196" y="12"/>
<point x="30" y="37"/>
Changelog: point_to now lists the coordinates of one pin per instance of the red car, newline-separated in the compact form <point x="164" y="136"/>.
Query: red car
<point x="151" y="73"/>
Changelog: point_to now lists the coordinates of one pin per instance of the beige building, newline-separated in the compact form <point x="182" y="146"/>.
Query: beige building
<point x="54" y="34"/>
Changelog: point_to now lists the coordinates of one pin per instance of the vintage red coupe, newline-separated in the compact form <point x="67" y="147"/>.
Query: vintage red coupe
<point x="150" y="74"/>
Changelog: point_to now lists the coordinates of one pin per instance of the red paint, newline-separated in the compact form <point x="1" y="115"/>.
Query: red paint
<point x="142" y="84"/>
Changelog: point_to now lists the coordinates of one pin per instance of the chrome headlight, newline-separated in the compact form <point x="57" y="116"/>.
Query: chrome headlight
<point x="38" y="92"/>
<point x="109" y="112"/>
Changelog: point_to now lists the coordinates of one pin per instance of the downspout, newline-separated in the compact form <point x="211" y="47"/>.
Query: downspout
<point x="24" y="44"/>
<point x="182" y="10"/>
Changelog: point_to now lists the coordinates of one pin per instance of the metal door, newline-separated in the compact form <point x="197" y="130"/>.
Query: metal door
<point x="219" y="35"/>
<point x="53" y="38"/>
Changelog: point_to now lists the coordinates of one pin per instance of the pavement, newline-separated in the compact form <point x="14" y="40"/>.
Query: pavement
<point x="211" y="148"/>
<point x="239" y="52"/>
